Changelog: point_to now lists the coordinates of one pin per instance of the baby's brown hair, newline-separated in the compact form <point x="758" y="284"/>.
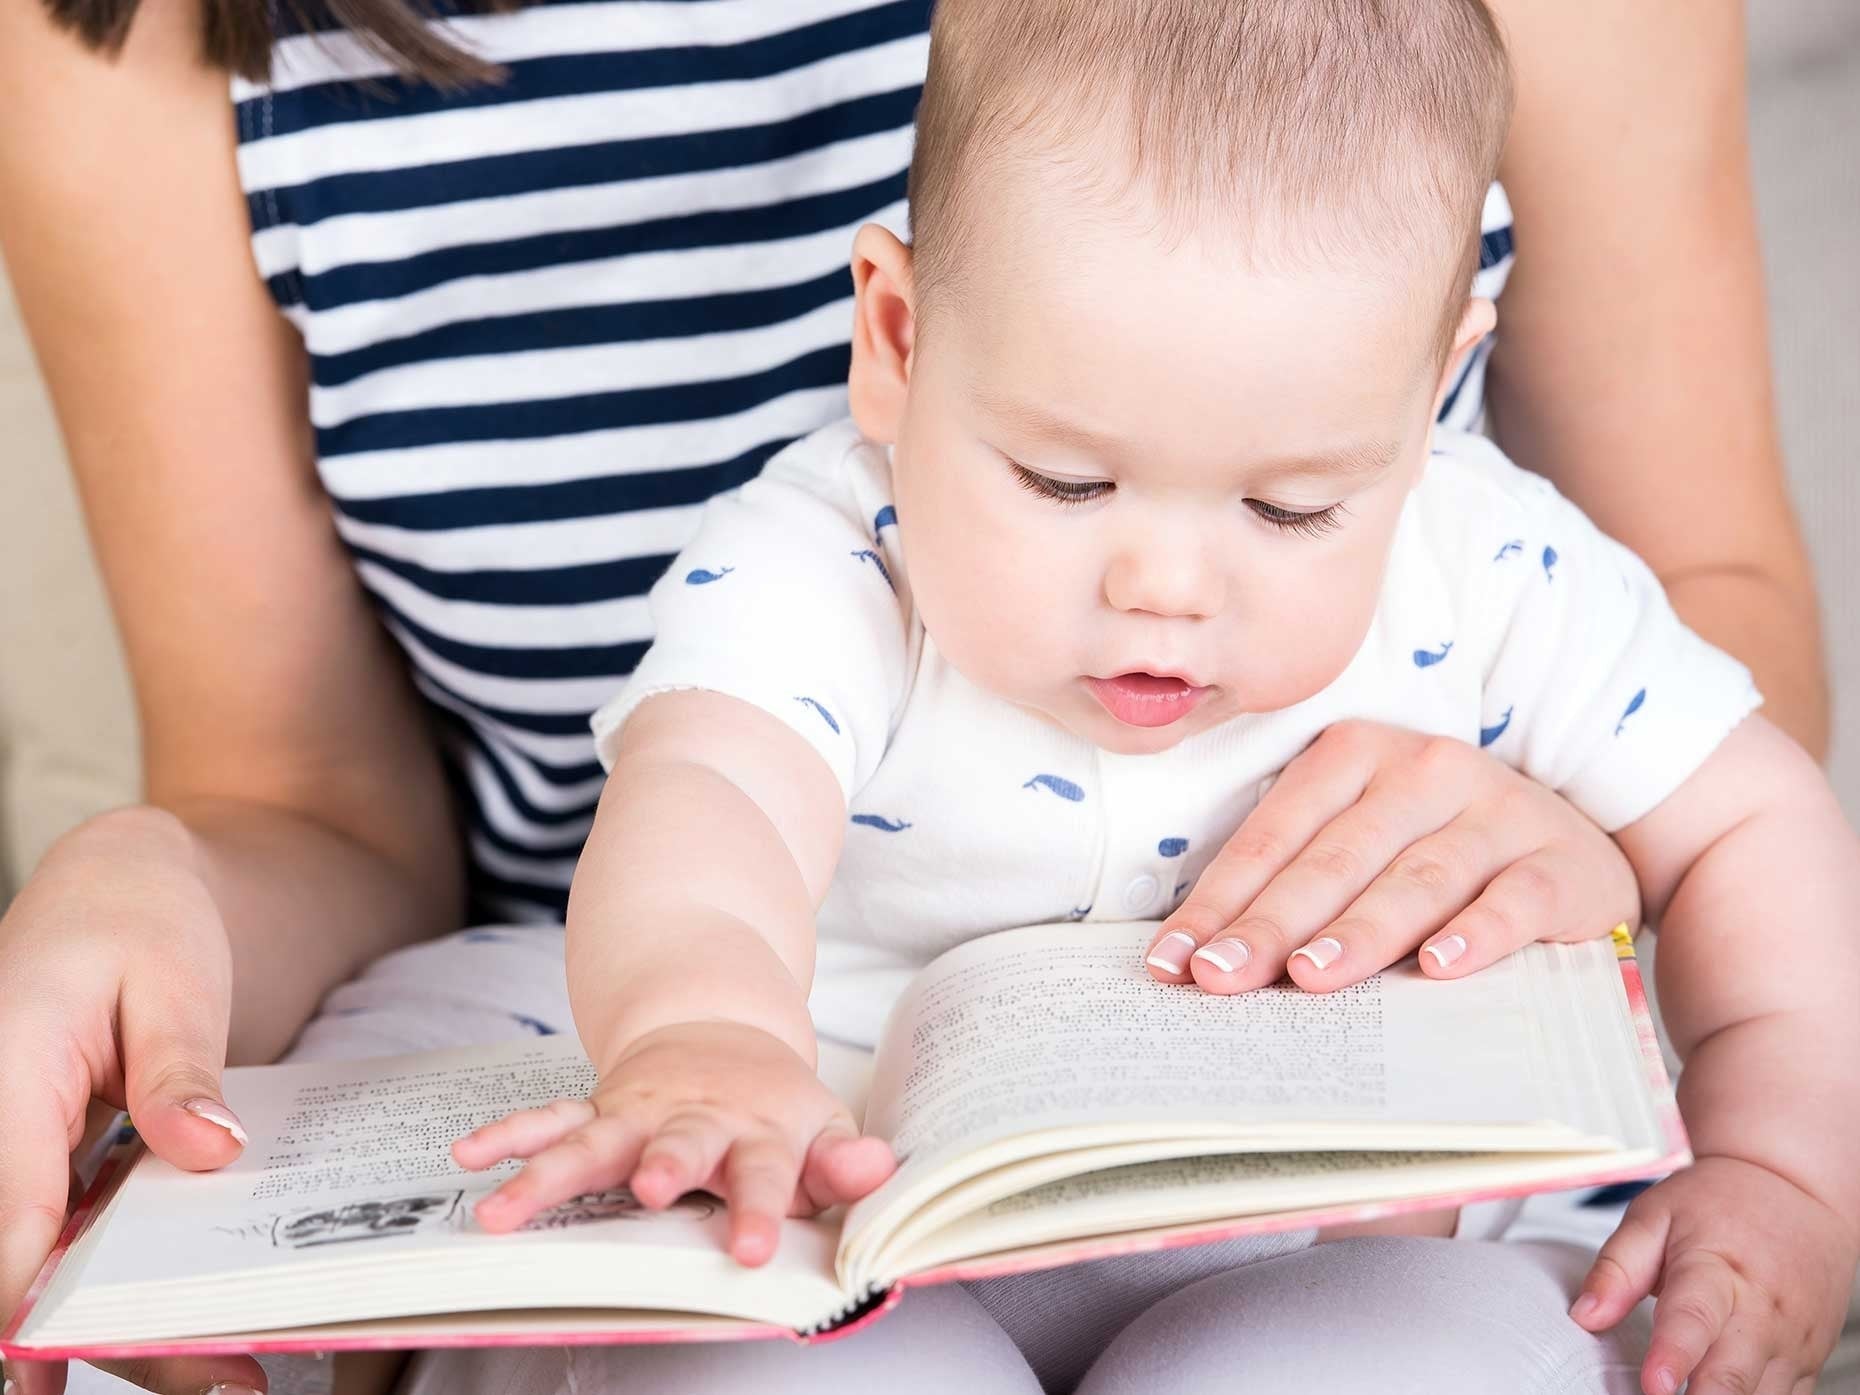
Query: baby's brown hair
<point x="1346" y="126"/>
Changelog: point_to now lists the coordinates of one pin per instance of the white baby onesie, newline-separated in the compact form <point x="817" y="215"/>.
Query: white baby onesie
<point x="1506" y="619"/>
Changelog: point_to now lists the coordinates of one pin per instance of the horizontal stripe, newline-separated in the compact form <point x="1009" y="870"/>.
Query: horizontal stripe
<point x="540" y="586"/>
<point x="575" y="661"/>
<point x="506" y="807"/>
<point x="668" y="275"/>
<point x="464" y="508"/>
<point x="536" y="793"/>
<point x="551" y="123"/>
<point x="517" y="421"/>
<point x="573" y="752"/>
<point x="592" y="67"/>
<point x="368" y="236"/>
<point x="539" y="31"/>
<point x="532" y="870"/>
<point x="765" y="223"/>
<point x="577" y="697"/>
<point x="541" y="375"/>
<point x="286" y="216"/>
<point x="477" y="465"/>
<point x="624" y="618"/>
<point x="562" y="725"/>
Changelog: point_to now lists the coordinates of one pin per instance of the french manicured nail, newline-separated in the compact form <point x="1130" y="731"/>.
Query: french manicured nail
<point x="1229" y="956"/>
<point x="215" y="1113"/>
<point x="1323" y="953"/>
<point x="1665" y="1381"/>
<point x="1585" y="1308"/>
<point x="1448" y="950"/>
<point x="1170" y="953"/>
<point x="225" y="1389"/>
<point x="11" y="1387"/>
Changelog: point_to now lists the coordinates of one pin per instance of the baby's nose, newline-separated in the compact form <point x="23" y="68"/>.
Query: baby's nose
<point x="1165" y="577"/>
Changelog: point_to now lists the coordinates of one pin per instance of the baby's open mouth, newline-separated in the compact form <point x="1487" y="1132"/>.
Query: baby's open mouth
<point x="1147" y="699"/>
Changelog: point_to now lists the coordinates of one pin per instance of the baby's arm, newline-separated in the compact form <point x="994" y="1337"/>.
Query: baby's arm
<point x="690" y="952"/>
<point x="1754" y="878"/>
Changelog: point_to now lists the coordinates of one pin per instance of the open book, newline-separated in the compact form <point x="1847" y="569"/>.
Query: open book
<point x="1049" y="1101"/>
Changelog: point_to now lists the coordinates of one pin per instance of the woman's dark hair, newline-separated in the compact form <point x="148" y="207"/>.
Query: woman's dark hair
<point x="237" y="34"/>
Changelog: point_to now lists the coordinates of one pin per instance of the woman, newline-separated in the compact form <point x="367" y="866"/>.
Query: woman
<point x="516" y="333"/>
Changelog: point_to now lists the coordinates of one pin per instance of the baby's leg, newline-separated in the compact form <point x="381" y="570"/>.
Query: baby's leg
<point x="935" y="1342"/>
<point x="1443" y="1317"/>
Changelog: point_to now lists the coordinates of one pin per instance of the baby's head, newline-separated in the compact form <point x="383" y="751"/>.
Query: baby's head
<point x="1188" y="281"/>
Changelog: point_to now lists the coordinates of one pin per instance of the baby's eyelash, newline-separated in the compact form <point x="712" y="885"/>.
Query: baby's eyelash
<point x="1312" y="525"/>
<point x="1060" y="491"/>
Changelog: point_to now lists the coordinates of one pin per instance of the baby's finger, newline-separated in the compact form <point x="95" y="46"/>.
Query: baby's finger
<point x="841" y="1166"/>
<point x="1696" y="1299"/>
<point x="597" y="1155"/>
<point x="682" y="1154"/>
<point x="521" y="1135"/>
<point x="1738" y="1362"/>
<point x="1626" y="1268"/>
<point x="1781" y="1377"/>
<point x="759" y="1178"/>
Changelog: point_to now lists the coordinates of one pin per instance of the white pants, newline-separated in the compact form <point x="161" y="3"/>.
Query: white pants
<point x="1273" y="1314"/>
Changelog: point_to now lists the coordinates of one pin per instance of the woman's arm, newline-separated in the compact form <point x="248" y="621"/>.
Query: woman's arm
<point x="1632" y="361"/>
<point x="285" y="757"/>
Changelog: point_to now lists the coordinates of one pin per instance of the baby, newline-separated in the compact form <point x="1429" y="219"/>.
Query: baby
<point x="1142" y="491"/>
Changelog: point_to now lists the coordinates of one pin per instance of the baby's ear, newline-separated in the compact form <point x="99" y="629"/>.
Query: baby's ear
<point x="883" y="327"/>
<point x="1476" y="322"/>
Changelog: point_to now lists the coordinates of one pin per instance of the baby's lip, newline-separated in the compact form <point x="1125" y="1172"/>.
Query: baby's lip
<point x="1147" y="671"/>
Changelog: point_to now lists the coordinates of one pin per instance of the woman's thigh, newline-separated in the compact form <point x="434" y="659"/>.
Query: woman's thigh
<point x="937" y="1341"/>
<point x="1388" y="1315"/>
<point x="468" y="989"/>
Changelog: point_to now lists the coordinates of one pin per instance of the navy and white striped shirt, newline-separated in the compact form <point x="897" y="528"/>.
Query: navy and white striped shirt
<point x="548" y="319"/>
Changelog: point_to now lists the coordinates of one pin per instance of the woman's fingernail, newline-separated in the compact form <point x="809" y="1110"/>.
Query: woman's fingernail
<point x="1665" y="1381"/>
<point x="1447" y="950"/>
<point x="225" y="1389"/>
<point x="1322" y="953"/>
<point x="1170" y="953"/>
<point x="1585" y="1308"/>
<point x="216" y="1113"/>
<point x="11" y="1388"/>
<point x="1229" y="956"/>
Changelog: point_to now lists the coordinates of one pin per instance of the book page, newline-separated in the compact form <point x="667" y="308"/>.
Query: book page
<point x="1062" y="1027"/>
<point x="349" y="1166"/>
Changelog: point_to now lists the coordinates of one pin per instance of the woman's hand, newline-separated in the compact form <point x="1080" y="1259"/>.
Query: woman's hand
<point x="1377" y="840"/>
<point x="718" y="1106"/>
<point x="115" y="984"/>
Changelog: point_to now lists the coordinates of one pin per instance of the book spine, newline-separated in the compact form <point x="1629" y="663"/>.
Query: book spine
<point x="849" y="1314"/>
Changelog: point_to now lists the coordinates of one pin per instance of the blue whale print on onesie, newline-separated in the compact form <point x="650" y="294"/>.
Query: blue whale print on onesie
<point x="1172" y="847"/>
<point x="542" y="1029"/>
<point x="885" y="518"/>
<point x="1065" y="789"/>
<point x="1549" y="564"/>
<point x="699" y="577"/>
<point x="1634" y="705"/>
<point x="825" y="715"/>
<point x="1510" y="549"/>
<point x="1425" y="659"/>
<point x="866" y="554"/>
<point x="880" y="822"/>
<point x="1487" y="735"/>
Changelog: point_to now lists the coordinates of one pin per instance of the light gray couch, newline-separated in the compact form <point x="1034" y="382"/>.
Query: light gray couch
<point x="67" y="740"/>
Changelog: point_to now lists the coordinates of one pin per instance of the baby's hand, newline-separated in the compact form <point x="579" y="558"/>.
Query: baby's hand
<point x="1753" y="1276"/>
<point x="716" y="1106"/>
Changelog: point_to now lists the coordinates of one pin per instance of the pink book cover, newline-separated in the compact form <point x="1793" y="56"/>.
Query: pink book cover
<point x="538" y="1329"/>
